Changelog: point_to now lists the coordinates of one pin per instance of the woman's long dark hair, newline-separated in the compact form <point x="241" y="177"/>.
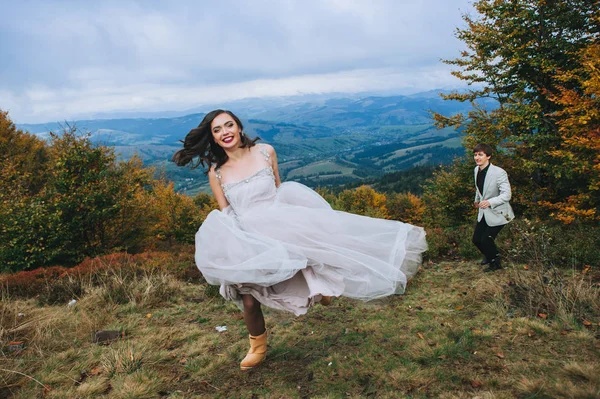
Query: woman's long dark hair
<point x="200" y="144"/>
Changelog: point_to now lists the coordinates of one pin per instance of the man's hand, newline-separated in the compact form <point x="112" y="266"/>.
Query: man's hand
<point x="484" y="204"/>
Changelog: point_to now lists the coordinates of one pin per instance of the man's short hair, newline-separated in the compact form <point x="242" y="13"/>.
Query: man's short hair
<point x="485" y="148"/>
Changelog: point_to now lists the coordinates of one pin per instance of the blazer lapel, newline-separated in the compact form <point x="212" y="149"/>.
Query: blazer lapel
<point x="488" y="180"/>
<point x="475" y="175"/>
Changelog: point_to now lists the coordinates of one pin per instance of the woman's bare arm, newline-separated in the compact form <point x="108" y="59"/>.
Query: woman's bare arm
<point x="215" y="186"/>
<point x="274" y="164"/>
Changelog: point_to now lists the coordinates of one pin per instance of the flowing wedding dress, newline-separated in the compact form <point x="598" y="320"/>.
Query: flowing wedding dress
<point x="287" y="247"/>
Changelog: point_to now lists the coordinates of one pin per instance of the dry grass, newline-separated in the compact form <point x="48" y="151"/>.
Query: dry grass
<point x="576" y="380"/>
<point x="564" y="294"/>
<point x="457" y="333"/>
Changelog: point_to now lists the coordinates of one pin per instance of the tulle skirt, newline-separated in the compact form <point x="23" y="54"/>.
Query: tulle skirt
<point x="293" y="249"/>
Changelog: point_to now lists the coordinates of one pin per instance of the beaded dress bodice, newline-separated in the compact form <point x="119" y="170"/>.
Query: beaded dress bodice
<point x="256" y="190"/>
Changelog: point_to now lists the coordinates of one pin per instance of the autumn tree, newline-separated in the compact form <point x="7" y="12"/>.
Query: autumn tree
<point x="82" y="195"/>
<point x="174" y="216"/>
<point x="69" y="198"/>
<point x="524" y="54"/>
<point x="362" y="201"/>
<point x="23" y="158"/>
<point x="66" y="199"/>
<point x="23" y="174"/>
<point x="578" y="155"/>
<point x="129" y="228"/>
<point x="448" y="196"/>
<point x="405" y="207"/>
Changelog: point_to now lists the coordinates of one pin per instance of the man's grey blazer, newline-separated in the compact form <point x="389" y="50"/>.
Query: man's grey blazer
<point x="496" y="189"/>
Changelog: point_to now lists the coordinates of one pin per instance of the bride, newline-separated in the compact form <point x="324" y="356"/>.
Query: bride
<point x="281" y="244"/>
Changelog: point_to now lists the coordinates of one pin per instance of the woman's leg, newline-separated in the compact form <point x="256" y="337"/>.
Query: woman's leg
<point x="255" y="322"/>
<point x="253" y="316"/>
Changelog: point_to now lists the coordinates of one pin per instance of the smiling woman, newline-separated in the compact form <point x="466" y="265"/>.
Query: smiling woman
<point x="200" y="143"/>
<point x="282" y="245"/>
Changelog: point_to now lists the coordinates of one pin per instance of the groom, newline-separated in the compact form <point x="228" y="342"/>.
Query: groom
<point x="492" y="193"/>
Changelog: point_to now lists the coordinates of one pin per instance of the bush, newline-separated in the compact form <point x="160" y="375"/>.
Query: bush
<point x="552" y="243"/>
<point x="28" y="284"/>
<point x="564" y="294"/>
<point x="362" y="201"/>
<point x="557" y="279"/>
<point x="454" y="242"/>
<point x="69" y="199"/>
<point x="60" y="291"/>
<point x="448" y="196"/>
<point x="57" y="284"/>
<point x="438" y="245"/>
<point x="405" y="207"/>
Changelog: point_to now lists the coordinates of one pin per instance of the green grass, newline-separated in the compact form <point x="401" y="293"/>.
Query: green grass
<point x="320" y="167"/>
<point x="452" y="334"/>
<point x="432" y="132"/>
<point x="454" y="142"/>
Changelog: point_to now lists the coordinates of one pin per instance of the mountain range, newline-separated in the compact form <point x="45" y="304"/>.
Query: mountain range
<point x="304" y="130"/>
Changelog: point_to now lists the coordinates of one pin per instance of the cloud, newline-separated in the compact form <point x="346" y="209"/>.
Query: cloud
<point x="69" y="58"/>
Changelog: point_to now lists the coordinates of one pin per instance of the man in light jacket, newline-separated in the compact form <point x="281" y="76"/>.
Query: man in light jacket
<point x="492" y="193"/>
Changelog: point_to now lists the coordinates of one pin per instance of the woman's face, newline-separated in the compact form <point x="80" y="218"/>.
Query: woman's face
<point x="225" y="131"/>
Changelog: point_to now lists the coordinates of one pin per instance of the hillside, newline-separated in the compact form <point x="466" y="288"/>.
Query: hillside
<point x="361" y="137"/>
<point x="455" y="333"/>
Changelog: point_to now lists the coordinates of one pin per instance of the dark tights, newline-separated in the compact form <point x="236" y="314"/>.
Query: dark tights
<point x="253" y="316"/>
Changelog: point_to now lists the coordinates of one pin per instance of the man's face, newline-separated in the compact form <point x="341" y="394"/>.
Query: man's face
<point x="481" y="159"/>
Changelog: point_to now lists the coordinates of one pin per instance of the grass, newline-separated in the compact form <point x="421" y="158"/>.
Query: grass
<point x="454" y="334"/>
<point x="454" y="142"/>
<point x="320" y="167"/>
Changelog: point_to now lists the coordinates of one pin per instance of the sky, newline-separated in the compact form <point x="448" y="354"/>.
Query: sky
<point x="63" y="60"/>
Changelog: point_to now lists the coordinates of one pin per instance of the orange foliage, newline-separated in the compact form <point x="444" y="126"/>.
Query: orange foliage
<point x="405" y="207"/>
<point x="571" y="209"/>
<point x="363" y="201"/>
<point x="579" y="126"/>
<point x="23" y="154"/>
<point x="30" y="283"/>
<point x="174" y="216"/>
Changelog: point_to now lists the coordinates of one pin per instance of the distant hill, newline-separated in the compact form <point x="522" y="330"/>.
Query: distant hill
<point x="131" y="131"/>
<point x="320" y="140"/>
<point x="367" y="111"/>
<point x="320" y="111"/>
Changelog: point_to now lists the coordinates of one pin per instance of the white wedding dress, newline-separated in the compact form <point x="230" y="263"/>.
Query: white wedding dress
<point x="287" y="247"/>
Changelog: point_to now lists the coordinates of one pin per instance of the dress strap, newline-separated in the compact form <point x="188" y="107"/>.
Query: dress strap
<point x="218" y="174"/>
<point x="265" y="153"/>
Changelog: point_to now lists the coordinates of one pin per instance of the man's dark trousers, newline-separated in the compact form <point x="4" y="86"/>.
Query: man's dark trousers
<point x="484" y="239"/>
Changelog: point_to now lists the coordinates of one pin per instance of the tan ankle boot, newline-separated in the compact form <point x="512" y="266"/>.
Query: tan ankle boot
<point x="325" y="300"/>
<point x="257" y="352"/>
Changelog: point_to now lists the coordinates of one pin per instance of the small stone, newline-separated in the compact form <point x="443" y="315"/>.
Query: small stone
<point x="107" y="336"/>
<point x="16" y="346"/>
